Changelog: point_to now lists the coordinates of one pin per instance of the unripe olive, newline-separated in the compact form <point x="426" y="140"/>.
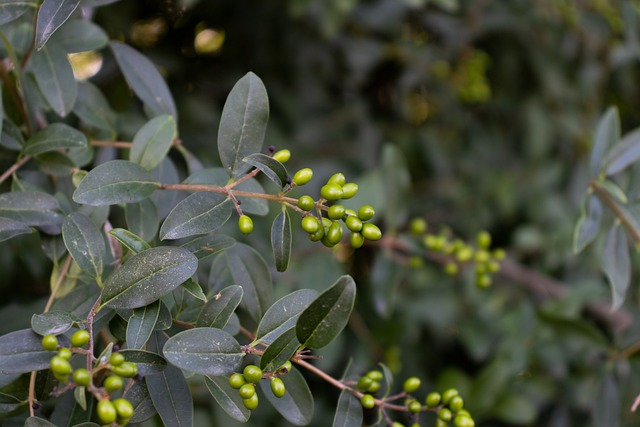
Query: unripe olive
<point x="484" y="239"/>
<point x="463" y="421"/>
<point x="277" y="387"/>
<point x="371" y="231"/>
<point x="368" y="401"/>
<point x="81" y="377"/>
<point x="113" y="383"/>
<point x="60" y="365"/>
<point x="236" y="381"/>
<point x="338" y="179"/>
<point x="247" y="391"/>
<point x="375" y="375"/>
<point x="318" y="235"/>
<point x="336" y="212"/>
<point x="334" y="234"/>
<point x="123" y="408"/>
<point x="456" y="404"/>
<point x="411" y="384"/>
<point x="433" y="399"/>
<point x="499" y="254"/>
<point x="50" y="342"/>
<point x="493" y="267"/>
<point x="282" y="156"/>
<point x="397" y="424"/>
<point x="366" y="212"/>
<point x="374" y="387"/>
<point x="116" y="359"/>
<point x="126" y="370"/>
<point x="65" y="353"/>
<point x="310" y="224"/>
<point x="445" y="415"/>
<point x="251" y="403"/>
<point x="464" y="254"/>
<point x="483" y="281"/>
<point x="364" y="383"/>
<point x="451" y="268"/>
<point x="252" y="373"/>
<point x="306" y="203"/>
<point x="356" y="240"/>
<point x="349" y="190"/>
<point x="331" y="192"/>
<point x="286" y="367"/>
<point x="303" y="176"/>
<point x="245" y="224"/>
<point x="448" y="395"/>
<point x="418" y="226"/>
<point x="353" y="223"/>
<point x="107" y="412"/>
<point x="414" y="407"/>
<point x="440" y="423"/>
<point x="61" y="377"/>
<point x="80" y="338"/>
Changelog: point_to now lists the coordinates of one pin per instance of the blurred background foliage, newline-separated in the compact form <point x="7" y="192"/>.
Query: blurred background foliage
<point x="472" y="114"/>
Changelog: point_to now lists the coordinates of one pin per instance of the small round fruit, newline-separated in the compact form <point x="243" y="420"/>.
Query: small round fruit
<point x="126" y="370"/>
<point x="364" y="383"/>
<point x="247" y="391"/>
<point x="368" y="401"/>
<point x="451" y="268"/>
<point x="81" y="377"/>
<point x="397" y="424"/>
<point x="61" y="377"/>
<point x="245" y="224"/>
<point x="60" y="365"/>
<point x="123" y="408"/>
<point x="440" y="423"/>
<point x="113" y="383"/>
<point x="338" y="179"/>
<point x="414" y="407"/>
<point x="483" y="281"/>
<point x="484" y="239"/>
<point x="277" y="387"/>
<point x="445" y="415"/>
<point x="366" y="212"/>
<point x="65" y="353"/>
<point x="252" y="373"/>
<point x="251" y="403"/>
<point x="334" y="234"/>
<point x="303" y="176"/>
<point x="499" y="254"/>
<point x="282" y="156"/>
<point x="371" y="231"/>
<point x="463" y="421"/>
<point x="306" y="203"/>
<point x="331" y="192"/>
<point x="374" y="387"/>
<point x="116" y="359"/>
<point x="50" y="342"/>
<point x="80" y="338"/>
<point x="411" y="384"/>
<point x="336" y="212"/>
<point x="448" y="395"/>
<point x="353" y="223"/>
<point x="286" y="367"/>
<point x="310" y="224"/>
<point x="107" y="412"/>
<point x="456" y="404"/>
<point x="349" y="190"/>
<point x="375" y="375"/>
<point x="356" y="240"/>
<point x="433" y="399"/>
<point x="236" y="381"/>
<point x="317" y="236"/>
<point x="418" y="226"/>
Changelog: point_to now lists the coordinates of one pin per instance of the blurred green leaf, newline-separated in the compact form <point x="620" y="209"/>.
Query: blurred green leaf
<point x="279" y="351"/>
<point x="607" y="411"/>
<point x="51" y="15"/>
<point x="228" y="398"/>
<point x="516" y="409"/>
<point x="281" y="240"/>
<point x="55" y="78"/>
<point x="205" y="246"/>
<point x="37" y="422"/>
<point x="53" y="322"/>
<point x="10" y="228"/>
<point x="142" y="218"/>
<point x="31" y="208"/>
<point x="296" y="406"/>
<point x="348" y="411"/>
<point x="588" y="224"/>
<point x="13" y="9"/>
<point x="614" y="190"/>
<point x="396" y="184"/>
<point x="218" y="310"/>
<point x="93" y="108"/>
<point x="132" y="242"/>
<point x="153" y="141"/>
<point x="616" y="264"/>
<point x="607" y="136"/>
<point x="624" y="154"/>
<point x="85" y="243"/>
<point x="199" y="213"/>
<point x="21" y="351"/>
<point x="171" y="397"/>
<point x="141" y="324"/>
<point x="54" y="137"/>
<point x="273" y="169"/>
<point x="80" y="35"/>
<point x="283" y="314"/>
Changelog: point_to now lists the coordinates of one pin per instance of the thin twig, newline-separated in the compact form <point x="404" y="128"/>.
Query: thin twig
<point x="14" y="168"/>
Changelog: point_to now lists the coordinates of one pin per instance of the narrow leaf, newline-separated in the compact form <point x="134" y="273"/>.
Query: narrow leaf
<point x="217" y="312"/>
<point x="296" y="406"/>
<point x="53" y="322"/>
<point x="205" y="246"/>
<point x="279" y="351"/>
<point x="85" y="243"/>
<point x="148" y="363"/>
<point x="199" y="213"/>
<point x="616" y="264"/>
<point x="13" y="9"/>
<point x="32" y="208"/>
<point x="132" y="242"/>
<point x="80" y="35"/>
<point x="21" y="351"/>
<point x="93" y="108"/>
<point x="153" y="141"/>
<point x="348" y="411"/>
<point x="608" y="408"/>
<point x="327" y="315"/>
<point x="283" y="314"/>
<point x="171" y="397"/>
<point x="54" y="76"/>
<point x="606" y="136"/>
<point x="624" y="154"/>
<point x="243" y="123"/>
<point x="281" y="240"/>
<point x="54" y="137"/>
<point x="228" y="398"/>
<point x="145" y="79"/>
<point x="613" y="190"/>
<point x="80" y="395"/>
<point x="141" y="324"/>
<point x="142" y="218"/>
<point x="206" y="351"/>
<point x="10" y="228"/>
<point x="51" y="15"/>
<point x="273" y="169"/>
<point x="147" y="276"/>
<point x="113" y="182"/>
<point x="193" y="288"/>
<point x="37" y="422"/>
<point x="588" y="224"/>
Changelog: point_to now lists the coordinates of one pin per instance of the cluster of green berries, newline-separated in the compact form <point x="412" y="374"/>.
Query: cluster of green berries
<point x="449" y="406"/>
<point x="246" y="381"/>
<point x="117" y="367"/>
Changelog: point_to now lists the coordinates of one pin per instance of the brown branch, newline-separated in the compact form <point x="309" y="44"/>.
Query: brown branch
<point x="14" y="167"/>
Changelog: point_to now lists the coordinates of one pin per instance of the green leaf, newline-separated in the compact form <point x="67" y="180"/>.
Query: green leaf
<point x="249" y="270"/>
<point x="142" y="218"/>
<point x="273" y="169"/>
<point x="194" y="289"/>
<point x="148" y="363"/>
<point x="80" y="35"/>
<point x="281" y="240"/>
<point x="145" y="79"/>
<point x="616" y="264"/>
<point x="217" y="312"/>
<point x="606" y="136"/>
<point x="517" y="410"/>
<point x="296" y="406"/>
<point x="588" y="224"/>
<point x="80" y="395"/>
<point x="131" y="241"/>
<point x="53" y="322"/>
<point x="206" y="351"/>
<point x="113" y="182"/>
<point x="54" y="76"/>
<point x="327" y="315"/>
<point x="205" y="246"/>
<point x="614" y="191"/>
<point x="624" y="154"/>
<point x="348" y="411"/>
<point x="171" y="397"/>
<point x="55" y="163"/>
<point x="11" y="137"/>
<point x="51" y="15"/>
<point x="570" y="327"/>
<point x="21" y="351"/>
<point x="199" y="213"/>
<point x="147" y="276"/>
<point x="93" y="108"/>
<point x="37" y="422"/>
<point x="607" y="406"/>
<point x="153" y="141"/>
<point x="54" y="137"/>
<point x="279" y="351"/>
<point x="13" y="9"/>
<point x="143" y="409"/>
<point x="396" y="185"/>
<point x="243" y="123"/>
<point x="85" y="244"/>
<point x="141" y="324"/>
<point x="228" y="398"/>
<point x="32" y="208"/>
<point x="283" y="314"/>
<point x="10" y="228"/>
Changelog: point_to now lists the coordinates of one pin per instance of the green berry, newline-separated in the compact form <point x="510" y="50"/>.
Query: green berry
<point x="368" y="401"/>
<point x="61" y="377"/>
<point x="107" y="412"/>
<point x="126" y="370"/>
<point x="414" y="407"/>
<point x="397" y="424"/>
<point x="433" y="399"/>
<point x="463" y="421"/>
<point x="371" y="231"/>
<point x="484" y="239"/>
<point x="318" y="235"/>
<point x="353" y="223"/>
<point x="123" y="408"/>
<point x="411" y="384"/>
<point x="336" y="212"/>
<point x="375" y="375"/>
<point x="252" y="373"/>
<point x="356" y="240"/>
<point x="236" y="381"/>
<point x="60" y="365"/>
<point x="116" y="359"/>
<point x="364" y="383"/>
<point x="113" y="383"/>
<point x="286" y="367"/>
<point x="277" y="387"/>
<point x="349" y="190"/>
<point x="483" y="281"/>
<point x="499" y="254"/>
<point x="366" y="212"/>
<point x="456" y="404"/>
<point x="451" y="268"/>
<point x="493" y="267"/>
<point x="331" y="192"/>
<point x="80" y="338"/>
<point x="245" y="224"/>
<point x="338" y="179"/>
<point x="310" y="224"/>
<point x="282" y="156"/>
<point x="464" y="254"/>
<point x="251" y="403"/>
<point x="247" y="391"/>
<point x="418" y="226"/>
<point x="448" y="395"/>
<point x="440" y="423"/>
<point x="65" y="353"/>
<point x="81" y="377"/>
<point x="374" y="387"/>
<point x="445" y="415"/>
<point x="482" y="256"/>
<point x="303" y="176"/>
<point x="306" y="203"/>
<point x="334" y="234"/>
<point x="50" y="342"/>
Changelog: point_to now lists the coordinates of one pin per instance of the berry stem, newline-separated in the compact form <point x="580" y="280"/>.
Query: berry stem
<point x="14" y="168"/>
<point x="228" y="191"/>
